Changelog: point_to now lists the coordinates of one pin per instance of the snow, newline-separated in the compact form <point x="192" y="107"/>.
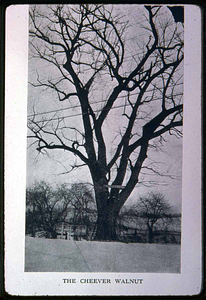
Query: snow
<point x="47" y="255"/>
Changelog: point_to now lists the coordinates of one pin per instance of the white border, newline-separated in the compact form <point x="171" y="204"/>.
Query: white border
<point x="17" y="282"/>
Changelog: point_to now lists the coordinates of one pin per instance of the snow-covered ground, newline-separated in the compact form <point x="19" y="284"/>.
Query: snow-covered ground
<point x="47" y="255"/>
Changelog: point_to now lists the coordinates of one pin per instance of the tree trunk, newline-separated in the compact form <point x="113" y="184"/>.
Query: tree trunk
<point x="150" y="236"/>
<point x="107" y="214"/>
<point x="106" y="226"/>
<point x="107" y="207"/>
<point x="33" y="230"/>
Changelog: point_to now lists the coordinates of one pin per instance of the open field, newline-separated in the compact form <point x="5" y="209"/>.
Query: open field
<point x="47" y="255"/>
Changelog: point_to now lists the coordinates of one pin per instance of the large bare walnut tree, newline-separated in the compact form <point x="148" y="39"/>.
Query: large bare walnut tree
<point x="98" y="67"/>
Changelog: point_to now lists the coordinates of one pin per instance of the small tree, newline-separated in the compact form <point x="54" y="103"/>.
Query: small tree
<point x="45" y="208"/>
<point x="83" y="204"/>
<point x="153" y="207"/>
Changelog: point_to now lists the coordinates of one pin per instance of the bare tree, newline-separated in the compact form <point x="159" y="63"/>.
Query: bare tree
<point x="46" y="208"/>
<point x="153" y="207"/>
<point x="83" y="204"/>
<point x="87" y="44"/>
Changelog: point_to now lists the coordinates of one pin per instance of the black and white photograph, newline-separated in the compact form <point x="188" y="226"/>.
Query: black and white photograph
<point x="105" y="117"/>
<point x="105" y="195"/>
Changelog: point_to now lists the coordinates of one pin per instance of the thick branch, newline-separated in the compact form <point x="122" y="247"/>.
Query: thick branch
<point x="149" y="128"/>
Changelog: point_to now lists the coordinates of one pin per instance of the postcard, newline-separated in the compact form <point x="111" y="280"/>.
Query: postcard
<point x="103" y="150"/>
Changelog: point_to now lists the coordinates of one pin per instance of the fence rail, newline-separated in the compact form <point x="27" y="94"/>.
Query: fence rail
<point x="77" y="232"/>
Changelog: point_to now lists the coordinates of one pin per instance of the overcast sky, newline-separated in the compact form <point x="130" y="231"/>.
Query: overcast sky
<point x="50" y="168"/>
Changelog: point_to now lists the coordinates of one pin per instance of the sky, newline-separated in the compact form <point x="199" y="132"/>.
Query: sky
<point x="50" y="168"/>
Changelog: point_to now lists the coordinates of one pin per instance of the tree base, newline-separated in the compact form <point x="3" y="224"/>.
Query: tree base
<point x="106" y="236"/>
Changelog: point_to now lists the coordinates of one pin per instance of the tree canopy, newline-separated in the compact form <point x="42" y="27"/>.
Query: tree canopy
<point x="47" y="207"/>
